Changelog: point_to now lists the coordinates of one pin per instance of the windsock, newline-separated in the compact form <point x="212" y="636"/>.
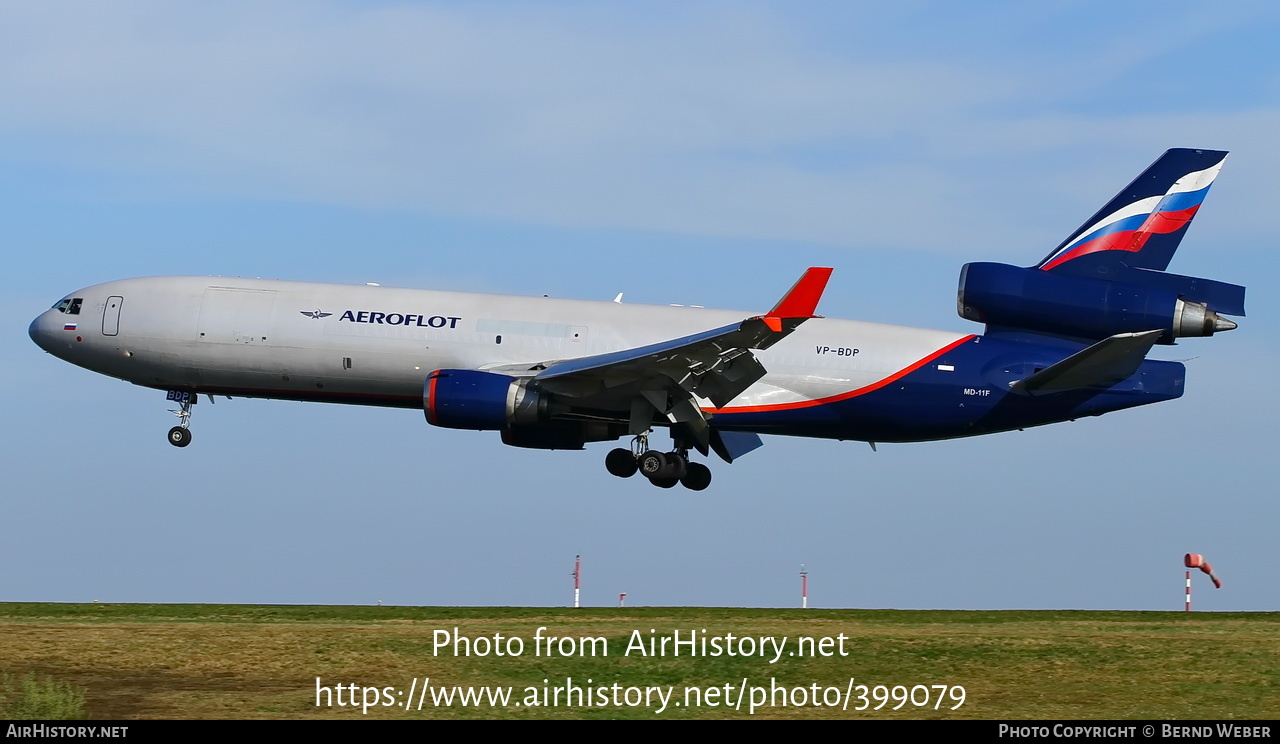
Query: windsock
<point x="1195" y="560"/>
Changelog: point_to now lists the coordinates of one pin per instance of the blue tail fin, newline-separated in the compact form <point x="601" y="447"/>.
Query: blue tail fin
<point x="1141" y="227"/>
<point x="1109" y="277"/>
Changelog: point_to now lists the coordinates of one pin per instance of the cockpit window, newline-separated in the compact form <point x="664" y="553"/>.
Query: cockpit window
<point x="70" y="306"/>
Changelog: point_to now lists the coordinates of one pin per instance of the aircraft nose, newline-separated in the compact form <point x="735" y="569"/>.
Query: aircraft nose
<point x="39" y="332"/>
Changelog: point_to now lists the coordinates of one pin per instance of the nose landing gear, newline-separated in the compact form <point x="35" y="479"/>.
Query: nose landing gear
<point x="180" y="435"/>
<point x="663" y="469"/>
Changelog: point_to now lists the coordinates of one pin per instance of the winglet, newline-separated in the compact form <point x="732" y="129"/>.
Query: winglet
<point x="801" y="300"/>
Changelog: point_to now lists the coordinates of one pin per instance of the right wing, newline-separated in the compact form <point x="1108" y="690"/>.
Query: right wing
<point x="717" y="365"/>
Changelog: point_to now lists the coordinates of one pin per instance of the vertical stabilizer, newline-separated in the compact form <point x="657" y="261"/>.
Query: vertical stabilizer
<point x="1141" y="227"/>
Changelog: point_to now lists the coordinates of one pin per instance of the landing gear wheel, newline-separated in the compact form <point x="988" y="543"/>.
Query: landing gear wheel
<point x="664" y="482"/>
<point x="652" y="464"/>
<point x="621" y="462"/>
<point x="179" y="437"/>
<point x="697" y="477"/>
<point x="677" y="466"/>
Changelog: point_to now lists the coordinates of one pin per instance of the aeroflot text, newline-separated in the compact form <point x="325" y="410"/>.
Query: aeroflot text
<point x="422" y="321"/>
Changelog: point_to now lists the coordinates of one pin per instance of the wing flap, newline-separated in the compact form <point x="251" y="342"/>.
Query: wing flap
<point x="730" y="445"/>
<point x="658" y="353"/>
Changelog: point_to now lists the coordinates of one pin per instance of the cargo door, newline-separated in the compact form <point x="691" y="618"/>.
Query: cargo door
<point x="231" y="315"/>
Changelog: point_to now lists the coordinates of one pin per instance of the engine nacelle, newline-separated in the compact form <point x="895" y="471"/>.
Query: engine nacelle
<point x="1080" y="307"/>
<point x="482" y="401"/>
<point x="558" y="435"/>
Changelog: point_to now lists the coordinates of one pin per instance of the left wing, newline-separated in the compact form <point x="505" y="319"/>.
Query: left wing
<point x="669" y="376"/>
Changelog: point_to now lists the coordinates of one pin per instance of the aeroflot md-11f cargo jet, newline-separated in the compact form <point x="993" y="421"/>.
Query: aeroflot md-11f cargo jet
<point x="1065" y="338"/>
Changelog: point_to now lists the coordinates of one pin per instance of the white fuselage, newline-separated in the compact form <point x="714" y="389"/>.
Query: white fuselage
<point x="376" y="345"/>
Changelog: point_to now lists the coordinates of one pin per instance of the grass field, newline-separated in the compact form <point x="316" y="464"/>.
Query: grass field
<point x="234" y="661"/>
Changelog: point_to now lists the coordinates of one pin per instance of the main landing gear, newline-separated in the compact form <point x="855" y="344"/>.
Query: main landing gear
<point x="663" y="469"/>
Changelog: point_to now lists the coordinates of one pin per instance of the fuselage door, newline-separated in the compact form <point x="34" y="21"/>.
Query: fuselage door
<point x="111" y="316"/>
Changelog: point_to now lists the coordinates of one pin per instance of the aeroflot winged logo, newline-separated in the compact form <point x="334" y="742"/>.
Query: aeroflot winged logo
<point x="399" y="319"/>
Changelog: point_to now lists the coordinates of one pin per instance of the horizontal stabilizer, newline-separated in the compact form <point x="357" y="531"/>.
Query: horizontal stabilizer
<point x="1102" y="365"/>
<point x="1219" y="297"/>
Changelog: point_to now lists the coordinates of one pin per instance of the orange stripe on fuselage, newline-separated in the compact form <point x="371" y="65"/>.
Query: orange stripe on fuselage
<point x="852" y="393"/>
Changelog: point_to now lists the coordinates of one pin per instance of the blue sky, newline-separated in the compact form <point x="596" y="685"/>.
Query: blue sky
<point x="696" y="153"/>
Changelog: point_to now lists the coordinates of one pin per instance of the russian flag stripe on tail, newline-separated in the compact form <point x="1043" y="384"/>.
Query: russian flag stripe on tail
<point x="1142" y="226"/>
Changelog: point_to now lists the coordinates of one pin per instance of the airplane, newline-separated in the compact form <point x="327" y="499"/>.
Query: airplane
<point x="1063" y="339"/>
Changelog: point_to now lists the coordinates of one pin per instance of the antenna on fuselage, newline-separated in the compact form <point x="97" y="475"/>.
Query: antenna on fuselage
<point x="618" y="298"/>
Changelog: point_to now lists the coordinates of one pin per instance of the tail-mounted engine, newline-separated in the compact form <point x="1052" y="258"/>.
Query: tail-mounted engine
<point x="1029" y="299"/>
